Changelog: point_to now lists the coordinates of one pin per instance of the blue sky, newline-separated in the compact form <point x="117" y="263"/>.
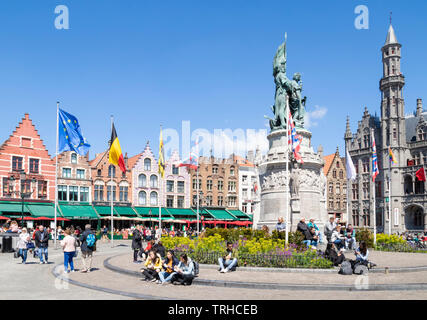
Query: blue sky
<point x="209" y="62"/>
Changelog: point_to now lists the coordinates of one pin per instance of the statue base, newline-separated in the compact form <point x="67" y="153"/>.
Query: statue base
<point x="304" y="197"/>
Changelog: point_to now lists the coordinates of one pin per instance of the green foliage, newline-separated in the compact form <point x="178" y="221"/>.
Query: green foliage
<point x="365" y="235"/>
<point x="389" y="239"/>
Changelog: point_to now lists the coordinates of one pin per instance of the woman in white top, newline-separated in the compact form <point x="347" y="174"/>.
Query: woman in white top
<point x="24" y="238"/>
<point x="69" y="247"/>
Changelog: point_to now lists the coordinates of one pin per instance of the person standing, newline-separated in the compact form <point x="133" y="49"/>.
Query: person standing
<point x="329" y="228"/>
<point x="87" y="246"/>
<point x="105" y="234"/>
<point x="136" y="244"/>
<point x="42" y="243"/>
<point x="24" y="239"/>
<point x="68" y="245"/>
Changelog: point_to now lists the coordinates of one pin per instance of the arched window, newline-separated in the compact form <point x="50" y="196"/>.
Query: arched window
<point x="419" y="186"/>
<point x="142" y="181"/>
<point x="73" y="158"/>
<point x="112" y="171"/>
<point x="153" y="181"/>
<point x="408" y="185"/>
<point x="153" y="198"/>
<point x="147" y="164"/>
<point x="142" y="198"/>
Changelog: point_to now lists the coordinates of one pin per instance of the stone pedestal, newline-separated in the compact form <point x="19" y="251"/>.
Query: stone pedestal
<point x="305" y="189"/>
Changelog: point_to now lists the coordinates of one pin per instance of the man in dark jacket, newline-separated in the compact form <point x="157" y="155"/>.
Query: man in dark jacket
<point x="42" y="242"/>
<point x="87" y="250"/>
<point x="303" y="228"/>
<point x="136" y="244"/>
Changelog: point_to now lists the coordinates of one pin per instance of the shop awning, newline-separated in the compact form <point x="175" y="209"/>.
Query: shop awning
<point x="221" y="214"/>
<point x="152" y="212"/>
<point x="42" y="210"/>
<point x="12" y="209"/>
<point x="125" y="211"/>
<point x="82" y="212"/>
<point x="105" y="211"/>
<point x="180" y="212"/>
<point x="239" y="214"/>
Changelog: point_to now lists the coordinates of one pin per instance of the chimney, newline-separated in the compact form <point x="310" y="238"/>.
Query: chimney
<point x="126" y="159"/>
<point x="419" y="107"/>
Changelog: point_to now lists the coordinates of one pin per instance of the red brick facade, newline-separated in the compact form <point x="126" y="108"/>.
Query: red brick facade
<point x="24" y="150"/>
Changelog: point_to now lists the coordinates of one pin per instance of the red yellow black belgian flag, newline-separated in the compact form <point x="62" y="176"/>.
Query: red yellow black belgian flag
<point x="116" y="155"/>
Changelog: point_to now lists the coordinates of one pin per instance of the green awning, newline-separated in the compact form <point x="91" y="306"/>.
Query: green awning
<point x="105" y="211"/>
<point x="220" y="214"/>
<point x="125" y="211"/>
<point x="78" y="211"/>
<point x="180" y="212"/>
<point x="8" y="209"/>
<point x="240" y="214"/>
<point x="42" y="210"/>
<point x="145" y="212"/>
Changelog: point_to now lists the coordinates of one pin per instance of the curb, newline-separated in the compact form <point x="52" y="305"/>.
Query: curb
<point x="275" y="286"/>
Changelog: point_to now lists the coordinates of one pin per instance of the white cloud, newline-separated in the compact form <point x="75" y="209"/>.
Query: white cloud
<point x="312" y="117"/>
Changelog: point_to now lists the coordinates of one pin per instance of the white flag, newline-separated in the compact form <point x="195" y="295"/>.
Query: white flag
<point x="349" y="166"/>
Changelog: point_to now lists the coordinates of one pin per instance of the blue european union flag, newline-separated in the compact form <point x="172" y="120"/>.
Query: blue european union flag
<point x="70" y="137"/>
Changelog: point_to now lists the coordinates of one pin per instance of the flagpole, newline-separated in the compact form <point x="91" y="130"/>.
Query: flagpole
<point x="111" y="194"/>
<point x="56" y="173"/>
<point x="389" y="194"/>
<point x="161" y="185"/>
<point x="287" y="171"/>
<point x="374" y="203"/>
<point x="197" y="181"/>
<point x="348" y="180"/>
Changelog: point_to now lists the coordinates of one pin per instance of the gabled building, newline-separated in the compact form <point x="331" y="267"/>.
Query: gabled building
<point x="176" y="192"/>
<point x="24" y="152"/>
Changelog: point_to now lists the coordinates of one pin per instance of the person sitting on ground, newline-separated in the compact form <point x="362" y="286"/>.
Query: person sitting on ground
<point x="227" y="262"/>
<point x="312" y="224"/>
<point x="302" y="227"/>
<point x="148" y="248"/>
<point x="329" y="228"/>
<point x="362" y="252"/>
<point x="152" y="267"/>
<point x="169" y="266"/>
<point x="350" y="237"/>
<point x="184" y="271"/>
<point x="160" y="249"/>
<point x="337" y="238"/>
<point x="314" y="238"/>
<point x="281" y="225"/>
<point x="331" y="253"/>
<point x="136" y="244"/>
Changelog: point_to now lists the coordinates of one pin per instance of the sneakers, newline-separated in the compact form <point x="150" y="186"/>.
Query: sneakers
<point x="222" y="270"/>
<point x="158" y="282"/>
<point x="153" y="280"/>
<point x="41" y="262"/>
<point x="226" y="270"/>
<point x="83" y="271"/>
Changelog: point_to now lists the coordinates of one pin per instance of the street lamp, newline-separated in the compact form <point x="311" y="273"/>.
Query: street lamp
<point x="23" y="178"/>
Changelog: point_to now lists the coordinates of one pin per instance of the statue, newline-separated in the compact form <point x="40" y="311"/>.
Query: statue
<point x="286" y="90"/>
<point x="295" y="180"/>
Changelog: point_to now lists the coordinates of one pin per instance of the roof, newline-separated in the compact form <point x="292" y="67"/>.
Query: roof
<point x="133" y="160"/>
<point x="411" y="123"/>
<point x="329" y="159"/>
<point x="391" y="36"/>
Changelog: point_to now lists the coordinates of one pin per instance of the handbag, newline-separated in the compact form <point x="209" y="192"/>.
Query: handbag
<point x="30" y="245"/>
<point x="16" y="254"/>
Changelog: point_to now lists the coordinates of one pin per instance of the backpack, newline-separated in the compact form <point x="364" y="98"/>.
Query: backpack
<point x="346" y="268"/>
<point x="90" y="240"/>
<point x="196" y="268"/>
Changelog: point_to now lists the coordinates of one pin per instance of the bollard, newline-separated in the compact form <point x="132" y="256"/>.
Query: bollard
<point x="386" y="270"/>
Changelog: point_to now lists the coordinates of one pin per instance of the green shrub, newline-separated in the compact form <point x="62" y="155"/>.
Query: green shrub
<point x="365" y="235"/>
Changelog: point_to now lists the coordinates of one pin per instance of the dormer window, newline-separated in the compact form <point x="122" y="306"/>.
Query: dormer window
<point x="73" y="158"/>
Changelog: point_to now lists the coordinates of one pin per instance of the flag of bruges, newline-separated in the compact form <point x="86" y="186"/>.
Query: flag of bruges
<point x="116" y="155"/>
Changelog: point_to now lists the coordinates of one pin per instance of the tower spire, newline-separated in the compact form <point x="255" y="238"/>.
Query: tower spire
<point x="348" y="134"/>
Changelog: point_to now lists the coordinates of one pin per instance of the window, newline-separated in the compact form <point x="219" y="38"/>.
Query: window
<point x="175" y="170"/>
<point x="231" y="201"/>
<point x="26" y="186"/>
<point x="26" y="142"/>
<point x="99" y="193"/>
<point x="142" y="181"/>
<point x="244" y="179"/>
<point x="109" y="193"/>
<point x="73" y="158"/>
<point x="7" y="188"/>
<point x="334" y="174"/>
<point x="209" y="200"/>
<point x="366" y="218"/>
<point x="123" y="196"/>
<point x="195" y="184"/>
<point x="209" y="185"/>
<point x="341" y="174"/>
<point x="365" y="164"/>
<point x="153" y="198"/>
<point x="181" y="187"/>
<point x="142" y="198"/>
<point x="419" y="186"/>
<point x="365" y="189"/>
<point x="111" y="171"/>
<point x="214" y="170"/>
<point x="62" y="193"/>
<point x="169" y="185"/>
<point x="337" y="205"/>
<point x="16" y="163"/>
<point x="232" y="171"/>
<point x="34" y="165"/>
<point x="147" y="164"/>
<point x="337" y="189"/>
<point x="394" y="133"/>
<point x="66" y="172"/>
<point x="244" y="207"/>
<point x="80" y="174"/>
<point x="331" y="204"/>
<point x="73" y="193"/>
<point x="338" y="164"/>
<point x="84" y="194"/>
<point x="356" y="218"/>
<point x="378" y="189"/>
<point x="331" y="187"/>
<point x="169" y="201"/>
<point x="220" y="185"/>
<point x="153" y="181"/>
<point x="232" y="186"/>
<point x="220" y="201"/>
<point x="245" y="193"/>
<point x="99" y="172"/>
<point x="355" y="191"/>
<point x="41" y="189"/>
<point x="180" y="202"/>
<point x="366" y="141"/>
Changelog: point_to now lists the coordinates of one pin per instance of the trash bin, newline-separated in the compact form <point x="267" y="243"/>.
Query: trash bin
<point x="6" y="244"/>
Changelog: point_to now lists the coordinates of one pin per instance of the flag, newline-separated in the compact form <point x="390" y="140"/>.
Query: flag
<point x="349" y="166"/>
<point x="255" y="187"/>
<point x="391" y="156"/>
<point x="374" y="159"/>
<point x="161" y="156"/>
<point x="70" y="137"/>
<point x="421" y="174"/>
<point x="294" y="139"/>
<point x="193" y="161"/>
<point x="115" y="153"/>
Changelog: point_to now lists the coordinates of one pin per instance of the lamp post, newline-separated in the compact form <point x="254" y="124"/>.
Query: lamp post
<point x="23" y="195"/>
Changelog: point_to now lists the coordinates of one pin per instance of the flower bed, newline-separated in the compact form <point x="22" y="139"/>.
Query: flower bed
<point x="257" y="252"/>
